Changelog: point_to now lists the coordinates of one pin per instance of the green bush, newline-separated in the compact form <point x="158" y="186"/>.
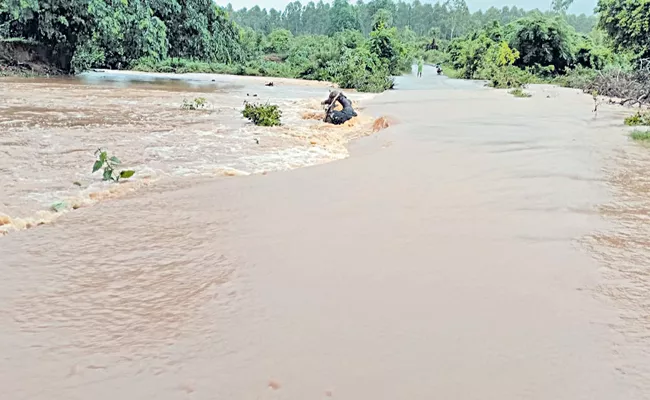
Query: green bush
<point x="518" y="92"/>
<point x="86" y="56"/>
<point x="640" y="136"/>
<point x="639" y="118"/>
<point x="578" y="77"/>
<point x="588" y="55"/>
<point x="199" y="103"/>
<point x="360" y="69"/>
<point x="183" y="66"/>
<point x="262" y="114"/>
<point x="279" y="41"/>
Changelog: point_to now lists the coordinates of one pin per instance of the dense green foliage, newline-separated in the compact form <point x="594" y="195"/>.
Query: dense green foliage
<point x="627" y="22"/>
<point x="358" y="46"/>
<point x="545" y="42"/>
<point x="450" y="18"/>
<point x="542" y="47"/>
<point x="262" y="114"/>
<point x="82" y="34"/>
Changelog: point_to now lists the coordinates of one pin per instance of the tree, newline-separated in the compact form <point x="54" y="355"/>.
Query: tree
<point x="279" y="41"/>
<point x="543" y="42"/>
<point x="560" y="6"/>
<point x="125" y="32"/>
<point x="385" y="44"/>
<point x="293" y="17"/>
<point x="342" y="16"/>
<point x="459" y="13"/>
<point x="627" y="23"/>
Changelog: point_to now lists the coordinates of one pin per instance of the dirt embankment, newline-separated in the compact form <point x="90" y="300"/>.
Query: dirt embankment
<point x="18" y="57"/>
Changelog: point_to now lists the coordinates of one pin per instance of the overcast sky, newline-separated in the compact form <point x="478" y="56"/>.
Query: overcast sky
<point x="579" y="6"/>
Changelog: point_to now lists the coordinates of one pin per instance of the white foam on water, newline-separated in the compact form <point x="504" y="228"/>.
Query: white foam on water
<point x="54" y="127"/>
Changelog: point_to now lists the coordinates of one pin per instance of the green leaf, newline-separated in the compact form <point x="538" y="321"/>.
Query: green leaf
<point x="98" y="164"/>
<point x="108" y="174"/>
<point x="127" y="173"/>
<point x="102" y="156"/>
<point x="115" y="160"/>
<point x="58" y="206"/>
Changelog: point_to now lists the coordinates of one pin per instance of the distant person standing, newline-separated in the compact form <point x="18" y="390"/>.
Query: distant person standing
<point x="420" y="66"/>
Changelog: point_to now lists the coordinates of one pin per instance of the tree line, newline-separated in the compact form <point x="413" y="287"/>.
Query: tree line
<point x="358" y="46"/>
<point x="113" y="33"/>
<point x="450" y="19"/>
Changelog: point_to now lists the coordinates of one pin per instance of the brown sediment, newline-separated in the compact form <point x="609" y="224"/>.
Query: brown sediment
<point x="380" y="123"/>
<point x="315" y="115"/>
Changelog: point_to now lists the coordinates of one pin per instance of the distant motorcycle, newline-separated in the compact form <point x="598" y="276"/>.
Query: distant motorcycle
<point x="439" y="70"/>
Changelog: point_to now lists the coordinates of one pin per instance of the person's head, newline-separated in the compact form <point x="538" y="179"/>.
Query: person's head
<point x="334" y="93"/>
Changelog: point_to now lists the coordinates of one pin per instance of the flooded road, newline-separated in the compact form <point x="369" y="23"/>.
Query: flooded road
<point x="482" y="247"/>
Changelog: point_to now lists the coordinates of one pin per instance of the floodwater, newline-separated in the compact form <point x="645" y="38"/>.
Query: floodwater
<point x="52" y="127"/>
<point x="481" y="247"/>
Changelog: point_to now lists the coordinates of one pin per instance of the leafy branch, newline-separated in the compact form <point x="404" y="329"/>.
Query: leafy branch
<point x="109" y="164"/>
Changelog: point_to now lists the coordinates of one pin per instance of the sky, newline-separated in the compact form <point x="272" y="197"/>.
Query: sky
<point x="578" y="6"/>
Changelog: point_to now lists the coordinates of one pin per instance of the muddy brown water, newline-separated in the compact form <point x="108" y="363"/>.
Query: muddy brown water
<point x="481" y="247"/>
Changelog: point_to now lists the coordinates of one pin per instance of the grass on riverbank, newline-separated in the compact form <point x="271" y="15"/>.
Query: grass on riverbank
<point x="640" y="136"/>
<point x="184" y="66"/>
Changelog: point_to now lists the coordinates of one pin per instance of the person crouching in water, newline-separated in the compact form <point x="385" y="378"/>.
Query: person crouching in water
<point x="336" y="117"/>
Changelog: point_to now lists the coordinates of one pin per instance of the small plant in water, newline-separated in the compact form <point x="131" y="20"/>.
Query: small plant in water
<point x="262" y="114"/>
<point x="640" y="118"/>
<point x="518" y="92"/>
<point x="109" y="164"/>
<point x="199" y="103"/>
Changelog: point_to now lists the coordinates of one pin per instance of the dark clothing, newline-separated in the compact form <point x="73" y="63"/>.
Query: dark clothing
<point x="338" y="117"/>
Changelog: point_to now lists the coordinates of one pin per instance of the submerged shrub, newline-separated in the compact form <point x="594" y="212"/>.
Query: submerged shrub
<point x="639" y="118"/>
<point x="640" y="136"/>
<point x="262" y="114"/>
<point x="199" y="103"/>
<point x="518" y="92"/>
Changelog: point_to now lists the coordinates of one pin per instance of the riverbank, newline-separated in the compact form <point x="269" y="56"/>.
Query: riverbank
<point x="24" y="58"/>
<point x="484" y="247"/>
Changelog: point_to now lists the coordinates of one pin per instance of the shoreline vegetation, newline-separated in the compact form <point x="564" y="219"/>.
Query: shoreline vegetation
<point x="358" y="46"/>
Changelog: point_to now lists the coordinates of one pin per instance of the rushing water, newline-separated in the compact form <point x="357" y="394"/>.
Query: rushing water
<point x="51" y="128"/>
<point x="482" y="247"/>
